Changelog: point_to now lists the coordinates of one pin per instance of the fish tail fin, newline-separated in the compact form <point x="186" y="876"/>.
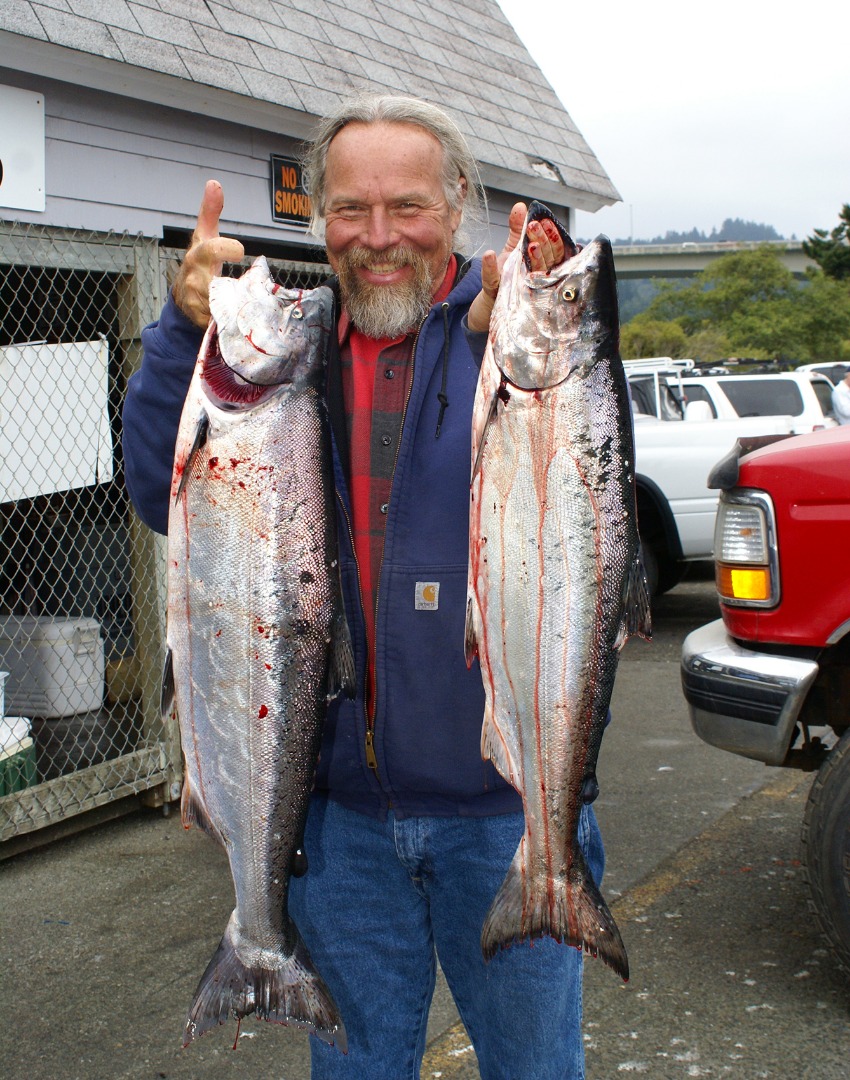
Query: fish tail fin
<point x="289" y="991"/>
<point x="569" y="909"/>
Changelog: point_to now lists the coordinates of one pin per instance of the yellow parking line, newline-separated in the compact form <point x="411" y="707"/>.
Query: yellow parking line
<point x="685" y="863"/>
<point x="451" y="1057"/>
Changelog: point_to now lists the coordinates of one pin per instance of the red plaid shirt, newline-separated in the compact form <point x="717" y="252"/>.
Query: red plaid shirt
<point x="376" y="381"/>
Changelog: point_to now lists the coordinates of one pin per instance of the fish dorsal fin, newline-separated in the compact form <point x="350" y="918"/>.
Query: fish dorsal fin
<point x="637" y="615"/>
<point x="498" y="395"/>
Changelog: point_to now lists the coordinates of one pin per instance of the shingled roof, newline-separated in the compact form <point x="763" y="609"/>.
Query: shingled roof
<point x="299" y="56"/>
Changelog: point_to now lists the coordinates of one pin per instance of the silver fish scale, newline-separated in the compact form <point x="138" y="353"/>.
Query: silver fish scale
<point x="254" y="634"/>
<point x="553" y="550"/>
<point x="552" y="575"/>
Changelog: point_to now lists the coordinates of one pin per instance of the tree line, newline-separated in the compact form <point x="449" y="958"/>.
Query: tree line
<point x="731" y="229"/>
<point x="749" y="304"/>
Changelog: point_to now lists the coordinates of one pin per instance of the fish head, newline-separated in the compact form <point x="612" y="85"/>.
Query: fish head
<point x="265" y="334"/>
<point x="552" y="325"/>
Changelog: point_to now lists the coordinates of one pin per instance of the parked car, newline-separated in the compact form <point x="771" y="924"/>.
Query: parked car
<point x="652" y="397"/>
<point x="835" y="372"/>
<point x="656" y="386"/>
<point x="805" y="396"/>
<point x="771" y="679"/>
<point x="673" y="459"/>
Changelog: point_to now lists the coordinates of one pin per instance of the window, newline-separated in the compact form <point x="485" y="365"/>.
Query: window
<point x="694" y="392"/>
<point x="763" y="397"/>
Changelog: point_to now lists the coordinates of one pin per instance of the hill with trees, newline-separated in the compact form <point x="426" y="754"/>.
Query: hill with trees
<point x="748" y="303"/>
<point x="731" y="229"/>
<point x="745" y="303"/>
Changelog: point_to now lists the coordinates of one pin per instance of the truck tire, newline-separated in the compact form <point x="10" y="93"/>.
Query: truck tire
<point x="826" y="849"/>
<point x="662" y="572"/>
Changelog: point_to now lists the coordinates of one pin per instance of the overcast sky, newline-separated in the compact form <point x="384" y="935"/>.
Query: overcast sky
<point x="698" y="113"/>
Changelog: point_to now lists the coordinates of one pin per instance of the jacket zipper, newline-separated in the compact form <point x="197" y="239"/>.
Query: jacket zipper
<point x="371" y="757"/>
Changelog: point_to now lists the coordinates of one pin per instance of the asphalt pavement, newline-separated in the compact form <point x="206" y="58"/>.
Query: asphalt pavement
<point x="103" y="935"/>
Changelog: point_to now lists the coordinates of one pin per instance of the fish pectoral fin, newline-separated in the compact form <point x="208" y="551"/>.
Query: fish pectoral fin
<point x="201" y="433"/>
<point x="637" y="615"/>
<point x="470" y="640"/>
<point x="342" y="675"/>
<point x="482" y="435"/>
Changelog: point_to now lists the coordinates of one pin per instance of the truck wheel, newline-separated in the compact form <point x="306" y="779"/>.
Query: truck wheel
<point x="662" y="572"/>
<point x="826" y="849"/>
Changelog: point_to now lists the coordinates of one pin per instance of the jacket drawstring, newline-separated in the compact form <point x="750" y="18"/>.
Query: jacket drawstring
<point x="442" y="397"/>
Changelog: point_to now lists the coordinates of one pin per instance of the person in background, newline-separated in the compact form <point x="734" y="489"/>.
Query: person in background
<point x="410" y="832"/>
<point x="841" y="400"/>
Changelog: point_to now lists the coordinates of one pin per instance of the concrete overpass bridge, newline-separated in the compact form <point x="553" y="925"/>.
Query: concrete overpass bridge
<point x="687" y="259"/>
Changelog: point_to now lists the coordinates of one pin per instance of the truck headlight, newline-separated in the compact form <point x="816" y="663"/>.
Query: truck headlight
<point x="746" y="562"/>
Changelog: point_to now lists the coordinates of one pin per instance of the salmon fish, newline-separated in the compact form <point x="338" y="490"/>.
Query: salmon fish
<point x="257" y="636"/>
<point x="555" y="577"/>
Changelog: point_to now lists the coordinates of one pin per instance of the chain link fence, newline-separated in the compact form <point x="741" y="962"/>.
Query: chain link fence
<point x="82" y="581"/>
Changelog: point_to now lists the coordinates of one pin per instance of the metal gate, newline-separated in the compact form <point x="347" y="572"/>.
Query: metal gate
<point x="82" y="580"/>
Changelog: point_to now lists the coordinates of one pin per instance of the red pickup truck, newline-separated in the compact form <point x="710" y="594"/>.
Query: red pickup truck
<point x="771" y="678"/>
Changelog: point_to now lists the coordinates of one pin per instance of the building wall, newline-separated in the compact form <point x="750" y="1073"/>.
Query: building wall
<point x="115" y="163"/>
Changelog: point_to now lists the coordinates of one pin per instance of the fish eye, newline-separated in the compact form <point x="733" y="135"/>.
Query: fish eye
<point x="297" y="313"/>
<point x="568" y="294"/>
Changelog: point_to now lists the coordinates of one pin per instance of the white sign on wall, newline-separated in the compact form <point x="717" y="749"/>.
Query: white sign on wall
<point x="21" y="149"/>
<point x="54" y="418"/>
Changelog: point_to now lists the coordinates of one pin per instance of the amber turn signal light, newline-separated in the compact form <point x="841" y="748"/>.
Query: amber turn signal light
<point x="743" y="582"/>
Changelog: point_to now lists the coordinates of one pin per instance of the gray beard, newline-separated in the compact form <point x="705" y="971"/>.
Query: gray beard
<point x="385" y="311"/>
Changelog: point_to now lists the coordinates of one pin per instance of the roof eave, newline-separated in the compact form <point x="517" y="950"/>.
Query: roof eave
<point x="57" y="62"/>
<point x="549" y="191"/>
<point x="47" y="60"/>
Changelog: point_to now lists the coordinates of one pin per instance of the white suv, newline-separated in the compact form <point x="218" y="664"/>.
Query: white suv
<point x="804" y="396"/>
<point x="834" y="372"/>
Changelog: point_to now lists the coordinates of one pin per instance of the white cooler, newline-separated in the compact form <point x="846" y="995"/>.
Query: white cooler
<point x="55" y="665"/>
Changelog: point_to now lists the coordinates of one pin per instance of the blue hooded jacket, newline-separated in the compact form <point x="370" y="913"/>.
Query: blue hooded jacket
<point x="429" y="707"/>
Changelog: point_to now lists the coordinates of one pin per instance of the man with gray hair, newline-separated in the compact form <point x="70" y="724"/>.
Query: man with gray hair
<point x="410" y="832"/>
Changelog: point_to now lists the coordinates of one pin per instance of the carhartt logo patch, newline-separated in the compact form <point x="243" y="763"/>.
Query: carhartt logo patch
<point x="427" y="595"/>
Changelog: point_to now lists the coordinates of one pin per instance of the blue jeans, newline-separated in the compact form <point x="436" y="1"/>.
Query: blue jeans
<point x="382" y="900"/>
